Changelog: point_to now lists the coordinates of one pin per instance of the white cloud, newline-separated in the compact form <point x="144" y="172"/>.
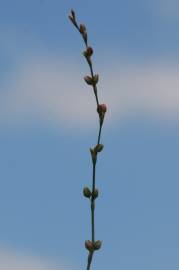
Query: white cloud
<point x="11" y="260"/>
<point x="54" y="92"/>
<point x="166" y="9"/>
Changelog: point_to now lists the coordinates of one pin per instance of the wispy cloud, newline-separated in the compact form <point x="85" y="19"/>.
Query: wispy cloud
<point x="51" y="91"/>
<point x="166" y="9"/>
<point x="10" y="260"/>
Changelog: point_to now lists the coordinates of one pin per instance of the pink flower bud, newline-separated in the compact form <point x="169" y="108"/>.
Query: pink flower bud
<point x="102" y="108"/>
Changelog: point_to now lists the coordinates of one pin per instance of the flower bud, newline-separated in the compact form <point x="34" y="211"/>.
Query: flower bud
<point x="97" y="245"/>
<point x="95" y="193"/>
<point x="89" y="245"/>
<point x="91" y="81"/>
<point x="72" y="13"/>
<point x="86" y="192"/>
<point x="88" y="52"/>
<point x="102" y="108"/>
<point x="99" y="147"/>
<point x="71" y="18"/>
<point x="82" y="28"/>
<point x="93" y="155"/>
<point x="88" y="80"/>
<point x="96" y="78"/>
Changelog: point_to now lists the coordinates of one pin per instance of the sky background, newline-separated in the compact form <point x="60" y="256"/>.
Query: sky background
<point x="48" y="123"/>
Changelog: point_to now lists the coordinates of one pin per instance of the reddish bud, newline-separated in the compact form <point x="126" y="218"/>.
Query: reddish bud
<point x="89" y="245"/>
<point x="88" y="52"/>
<point x="82" y="28"/>
<point x="102" y="108"/>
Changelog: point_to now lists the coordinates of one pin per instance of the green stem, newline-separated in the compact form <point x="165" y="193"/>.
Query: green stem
<point x="99" y="134"/>
<point x="93" y="206"/>
<point x="90" y="255"/>
<point x="94" y="86"/>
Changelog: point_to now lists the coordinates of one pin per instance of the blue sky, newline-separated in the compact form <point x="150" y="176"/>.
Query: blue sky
<point x="48" y="122"/>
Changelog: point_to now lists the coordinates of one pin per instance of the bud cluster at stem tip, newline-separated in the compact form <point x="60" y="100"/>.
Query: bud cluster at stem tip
<point x="73" y="18"/>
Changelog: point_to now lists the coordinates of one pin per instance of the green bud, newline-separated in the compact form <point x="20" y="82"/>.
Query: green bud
<point x="95" y="78"/>
<point x="93" y="155"/>
<point x="99" y="147"/>
<point x="88" y="80"/>
<point x="86" y="192"/>
<point x="95" y="193"/>
<point x="72" y="13"/>
<point x="72" y="18"/>
<point x="97" y="245"/>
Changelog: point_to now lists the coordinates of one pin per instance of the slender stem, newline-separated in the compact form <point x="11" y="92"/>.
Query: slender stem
<point x="90" y="255"/>
<point x="91" y="70"/>
<point x="99" y="134"/>
<point x="93" y="206"/>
